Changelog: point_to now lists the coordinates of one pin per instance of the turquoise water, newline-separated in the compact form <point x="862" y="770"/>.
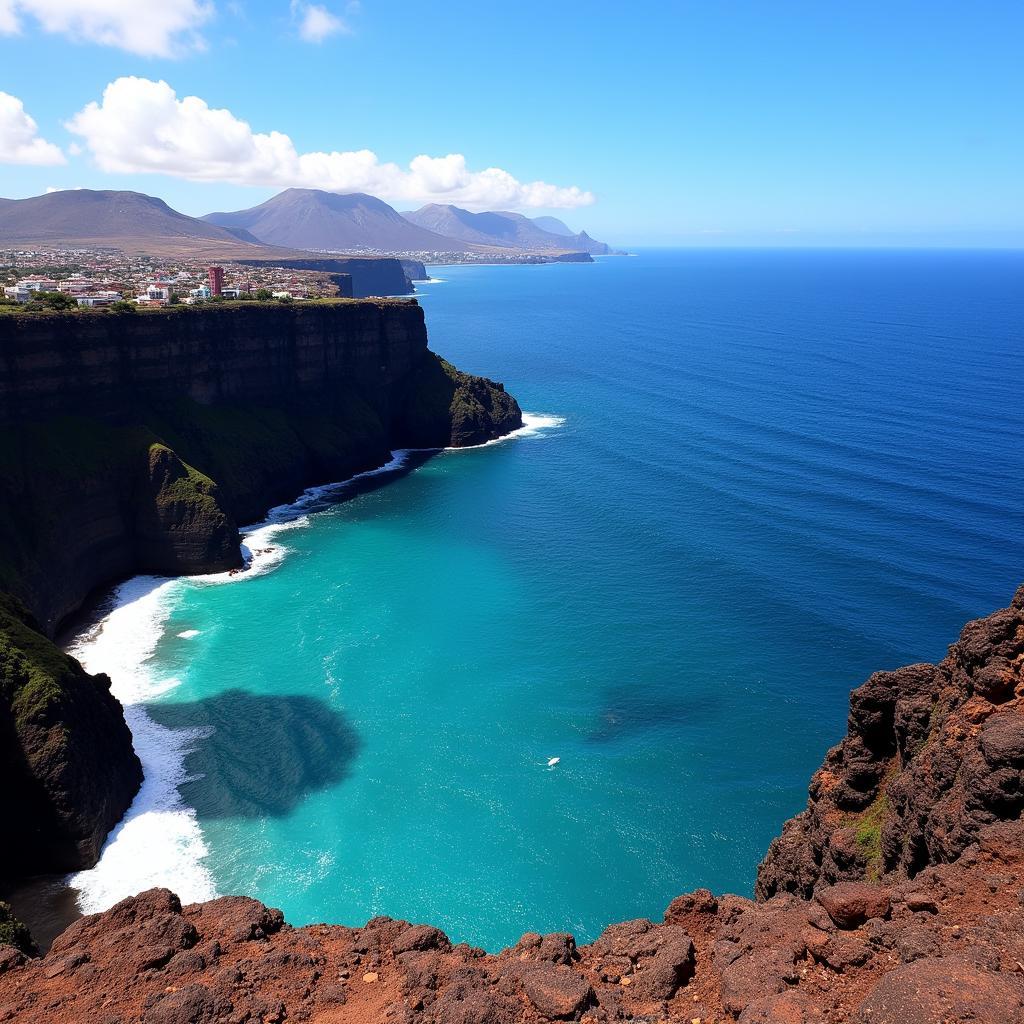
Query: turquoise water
<point x="777" y="472"/>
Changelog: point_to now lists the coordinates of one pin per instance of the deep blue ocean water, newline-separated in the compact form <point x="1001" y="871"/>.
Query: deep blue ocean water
<point x="777" y="472"/>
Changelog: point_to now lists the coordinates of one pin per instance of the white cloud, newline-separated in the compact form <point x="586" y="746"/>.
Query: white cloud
<point x="19" y="136"/>
<point x="316" y="23"/>
<point x="151" y="28"/>
<point x="141" y="126"/>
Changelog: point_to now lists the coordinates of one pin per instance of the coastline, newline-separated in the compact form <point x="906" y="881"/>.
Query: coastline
<point x="159" y="841"/>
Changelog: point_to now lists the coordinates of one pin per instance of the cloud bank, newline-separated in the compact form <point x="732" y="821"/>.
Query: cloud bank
<point x="150" y="28"/>
<point x="19" y="136"/>
<point x="140" y="126"/>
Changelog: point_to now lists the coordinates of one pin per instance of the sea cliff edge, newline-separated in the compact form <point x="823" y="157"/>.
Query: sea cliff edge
<point x="136" y="443"/>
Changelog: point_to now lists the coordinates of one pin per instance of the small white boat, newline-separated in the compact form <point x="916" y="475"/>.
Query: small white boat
<point x="552" y="761"/>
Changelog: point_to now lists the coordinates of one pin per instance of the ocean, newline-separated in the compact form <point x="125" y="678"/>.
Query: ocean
<point x="750" y="478"/>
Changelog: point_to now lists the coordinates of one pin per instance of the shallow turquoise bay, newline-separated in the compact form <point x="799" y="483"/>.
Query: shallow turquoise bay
<point x="777" y="472"/>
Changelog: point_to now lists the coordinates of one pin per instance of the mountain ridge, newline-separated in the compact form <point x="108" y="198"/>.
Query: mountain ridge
<point x="88" y="214"/>
<point x="318" y="220"/>
<point x="500" y="228"/>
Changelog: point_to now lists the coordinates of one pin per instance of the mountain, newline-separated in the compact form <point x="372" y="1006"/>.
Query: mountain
<point x="508" y="230"/>
<point x="107" y="218"/>
<point x="553" y="225"/>
<point x="305" y="218"/>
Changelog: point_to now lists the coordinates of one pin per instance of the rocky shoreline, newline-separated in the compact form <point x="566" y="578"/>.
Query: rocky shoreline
<point x="135" y="444"/>
<point x="921" y="922"/>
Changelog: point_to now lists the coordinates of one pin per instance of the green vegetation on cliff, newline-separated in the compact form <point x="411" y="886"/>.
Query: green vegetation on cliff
<point x="66" y="757"/>
<point x="14" y="933"/>
<point x="33" y="672"/>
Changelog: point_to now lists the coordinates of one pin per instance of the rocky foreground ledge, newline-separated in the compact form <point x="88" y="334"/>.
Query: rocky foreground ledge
<point x="896" y="898"/>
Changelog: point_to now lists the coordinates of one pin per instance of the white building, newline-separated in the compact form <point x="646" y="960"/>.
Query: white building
<point x="38" y="284"/>
<point x="76" y="285"/>
<point x="154" y="295"/>
<point x="98" y="298"/>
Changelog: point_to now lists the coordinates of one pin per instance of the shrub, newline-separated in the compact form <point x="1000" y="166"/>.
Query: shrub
<point x="56" y="300"/>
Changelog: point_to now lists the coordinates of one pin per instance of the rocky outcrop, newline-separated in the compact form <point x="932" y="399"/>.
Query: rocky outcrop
<point x="415" y="270"/>
<point x="933" y="938"/>
<point x="946" y="947"/>
<point x="137" y="443"/>
<point x="933" y="755"/>
<point x="66" y="759"/>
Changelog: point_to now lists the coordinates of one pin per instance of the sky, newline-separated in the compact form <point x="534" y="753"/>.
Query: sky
<point x="716" y="122"/>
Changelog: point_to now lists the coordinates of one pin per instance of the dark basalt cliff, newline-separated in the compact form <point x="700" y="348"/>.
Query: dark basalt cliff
<point x="371" y="275"/>
<point x="927" y="926"/>
<point x="137" y="443"/>
<point x="66" y="755"/>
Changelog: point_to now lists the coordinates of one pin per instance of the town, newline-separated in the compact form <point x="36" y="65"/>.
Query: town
<point x="102" y="277"/>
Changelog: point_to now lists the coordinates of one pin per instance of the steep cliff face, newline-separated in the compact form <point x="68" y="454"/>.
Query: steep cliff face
<point x="137" y="443"/>
<point x="66" y="759"/>
<point x="933" y="755"/>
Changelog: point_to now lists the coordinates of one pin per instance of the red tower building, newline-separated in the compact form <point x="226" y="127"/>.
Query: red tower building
<point x="216" y="276"/>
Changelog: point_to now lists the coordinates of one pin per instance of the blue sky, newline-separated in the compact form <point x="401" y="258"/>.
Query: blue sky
<point x="705" y="123"/>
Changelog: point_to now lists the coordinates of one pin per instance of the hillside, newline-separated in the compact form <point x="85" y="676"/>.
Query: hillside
<point x="111" y="218"/>
<point x="553" y="225"/>
<point x="507" y="230"/>
<point x="305" y="218"/>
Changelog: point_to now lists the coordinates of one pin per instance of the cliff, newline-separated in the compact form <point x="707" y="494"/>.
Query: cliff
<point x="137" y="442"/>
<point x="370" y="275"/>
<point x="415" y="270"/>
<point x="66" y="759"/>
<point x="933" y="755"/>
<point x="926" y="928"/>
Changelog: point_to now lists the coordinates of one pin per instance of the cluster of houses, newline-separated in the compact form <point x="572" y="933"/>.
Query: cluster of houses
<point x="83" y="290"/>
<point x="88" y="292"/>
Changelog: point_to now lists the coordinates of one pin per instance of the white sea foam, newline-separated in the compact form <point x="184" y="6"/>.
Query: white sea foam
<point x="159" y="842"/>
<point x="535" y="424"/>
<point x="187" y="634"/>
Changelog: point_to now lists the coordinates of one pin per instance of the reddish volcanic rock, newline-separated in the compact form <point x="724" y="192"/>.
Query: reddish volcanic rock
<point x="944" y="989"/>
<point x="956" y="950"/>
<point x="933" y="755"/>
<point x="850" y="904"/>
<point x="930" y="770"/>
